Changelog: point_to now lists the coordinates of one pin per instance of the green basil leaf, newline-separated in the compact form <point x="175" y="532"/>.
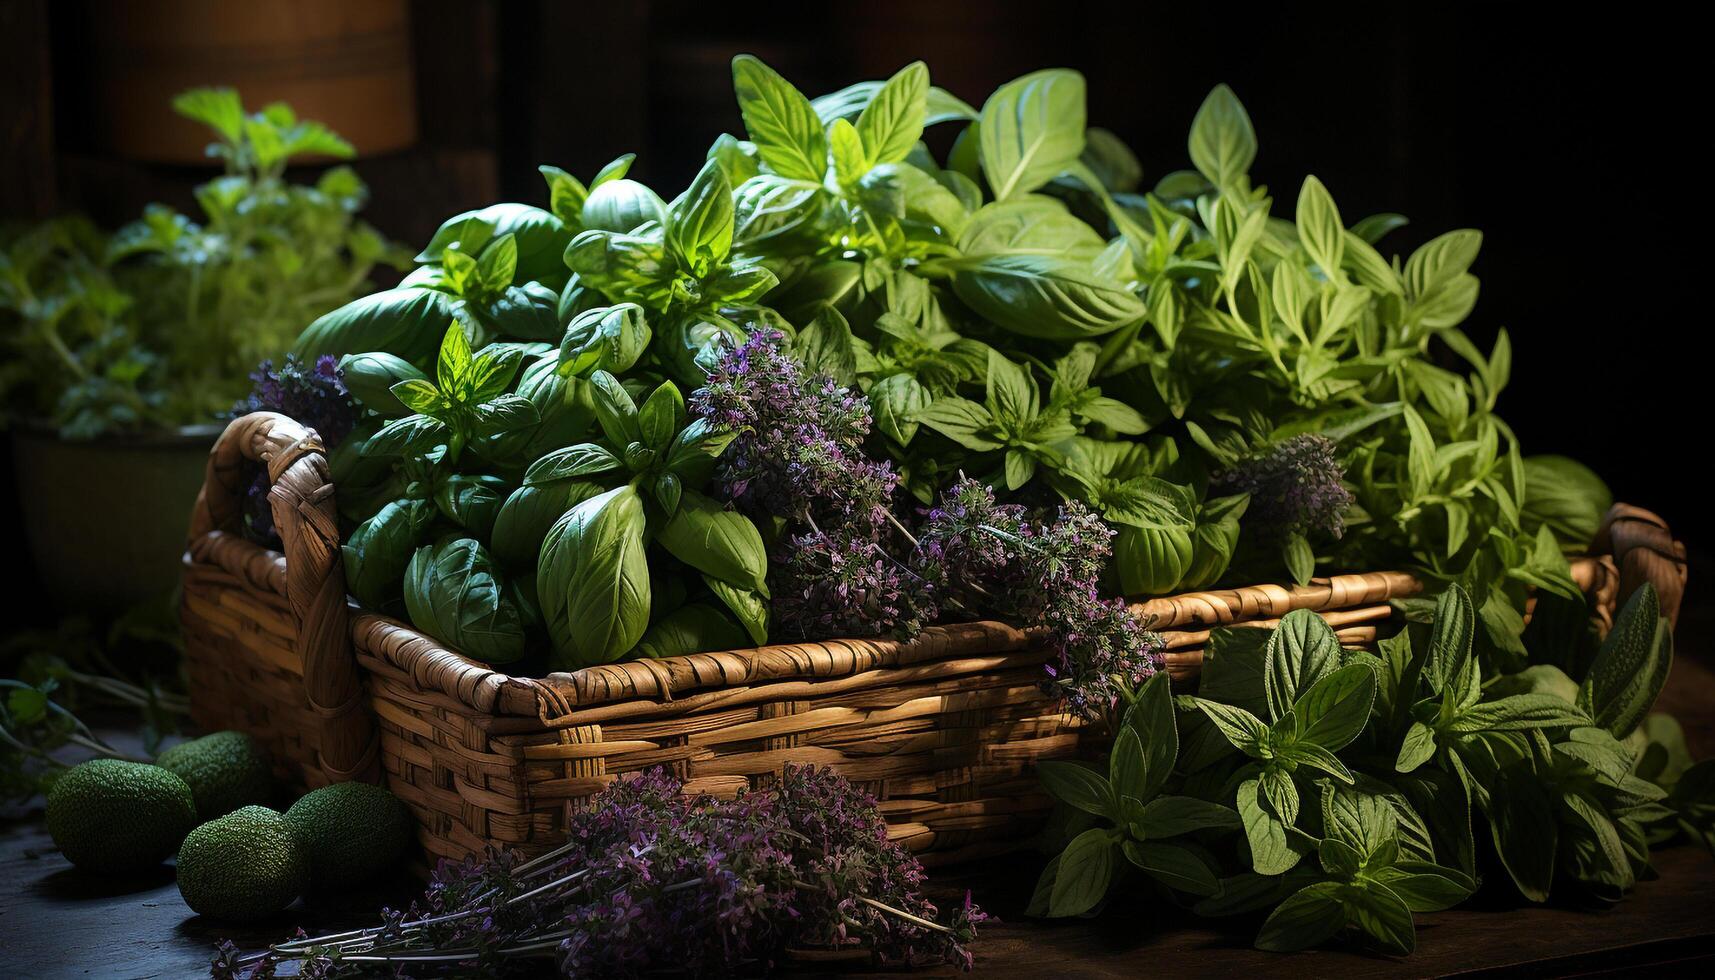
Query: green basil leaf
<point x="583" y="460"/>
<point x="892" y="121"/>
<point x="1631" y="666"/>
<point x="1170" y="816"/>
<point x="1271" y="851"/>
<point x="1418" y="747"/>
<point x="1319" y="228"/>
<point x="1383" y="916"/>
<point x="1451" y="635"/>
<point x="593" y="580"/>
<point x="1223" y="143"/>
<point x="826" y="347"/>
<point x="1126" y="772"/>
<point x="1336" y="708"/>
<point x="623" y="206"/>
<point x="1526" y="831"/>
<point x="716" y="541"/>
<point x="1151" y="716"/>
<point x="749" y="606"/>
<point x="413" y="435"/>
<point x="1031" y="129"/>
<point x="1046" y="297"/>
<point x="1279" y="793"/>
<point x="1299" y="558"/>
<point x="965" y="422"/>
<point x="540" y="238"/>
<point x="507" y="413"/>
<point x="1311" y="917"/>
<point x="1077" y="785"/>
<point x="527" y="514"/>
<point x="896" y="401"/>
<point x="409" y="323"/>
<point x="370" y="378"/>
<point x="700" y="224"/>
<point x="420" y="396"/>
<point x="379" y="550"/>
<point x="607" y="338"/>
<point x="1301" y="651"/>
<point x="1247" y="733"/>
<point x="615" y="410"/>
<point x="1520" y="712"/>
<point x="788" y="135"/>
<point x="472" y="502"/>
<point x="1086" y="868"/>
<point x="454" y="593"/>
<point x="696" y="628"/>
<point x="1176" y="867"/>
<point x="662" y="414"/>
<point x="1426" y="891"/>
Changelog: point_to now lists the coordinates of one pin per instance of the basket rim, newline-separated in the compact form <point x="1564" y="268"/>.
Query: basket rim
<point x="389" y="643"/>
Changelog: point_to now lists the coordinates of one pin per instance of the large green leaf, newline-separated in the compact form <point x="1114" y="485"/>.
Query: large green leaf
<point x="781" y="122"/>
<point x="592" y="580"/>
<point x="408" y="323"/>
<point x="716" y="541"/>
<point x="456" y="594"/>
<point x="1045" y="296"/>
<point x="1032" y="129"/>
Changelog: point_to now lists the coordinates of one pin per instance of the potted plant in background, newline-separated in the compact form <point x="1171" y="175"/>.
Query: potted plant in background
<point x="122" y="352"/>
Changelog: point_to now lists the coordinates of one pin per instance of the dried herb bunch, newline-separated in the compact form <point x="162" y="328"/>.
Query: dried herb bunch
<point x="650" y="880"/>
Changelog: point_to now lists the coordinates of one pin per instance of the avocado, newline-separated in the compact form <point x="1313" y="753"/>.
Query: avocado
<point x="350" y="832"/>
<point x="114" y="817"/>
<point x="225" y="771"/>
<point x="244" y="866"/>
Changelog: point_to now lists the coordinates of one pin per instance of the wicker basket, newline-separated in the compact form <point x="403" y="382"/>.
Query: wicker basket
<point x="943" y="729"/>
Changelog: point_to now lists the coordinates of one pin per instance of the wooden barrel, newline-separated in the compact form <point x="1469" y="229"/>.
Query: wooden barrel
<point x="346" y="63"/>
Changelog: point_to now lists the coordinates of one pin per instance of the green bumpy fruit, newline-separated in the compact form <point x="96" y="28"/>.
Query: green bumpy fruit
<point x="116" y="817"/>
<point x="351" y="832"/>
<point x="244" y="866"/>
<point x="225" y="771"/>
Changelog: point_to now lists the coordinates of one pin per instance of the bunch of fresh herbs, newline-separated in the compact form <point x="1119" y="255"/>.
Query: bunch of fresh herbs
<point x="1342" y="791"/>
<point x="1237" y="395"/>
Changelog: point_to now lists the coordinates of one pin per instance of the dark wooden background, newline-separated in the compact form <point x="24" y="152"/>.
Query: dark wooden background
<point x="1567" y="138"/>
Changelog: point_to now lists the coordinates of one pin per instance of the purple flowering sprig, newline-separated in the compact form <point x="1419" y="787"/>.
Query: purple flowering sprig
<point x="1295" y="488"/>
<point x="650" y="880"/>
<point x="314" y="396"/>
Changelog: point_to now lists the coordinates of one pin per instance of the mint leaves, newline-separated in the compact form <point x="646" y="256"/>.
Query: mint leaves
<point x="1337" y="791"/>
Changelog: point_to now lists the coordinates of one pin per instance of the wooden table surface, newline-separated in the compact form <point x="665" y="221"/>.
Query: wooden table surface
<point x="58" y="922"/>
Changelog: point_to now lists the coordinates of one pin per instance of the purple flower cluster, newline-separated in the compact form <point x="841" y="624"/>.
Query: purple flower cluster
<point x="1295" y="488"/>
<point x="313" y="396"/>
<point x="1044" y="573"/>
<point x="651" y="881"/>
<point x="797" y="452"/>
<point x="316" y="397"/>
<point x="846" y="585"/>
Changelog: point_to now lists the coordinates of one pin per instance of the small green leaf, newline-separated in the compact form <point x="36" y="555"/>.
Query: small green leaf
<point x="1176" y="867"/>
<point x="1170" y="816"/>
<point x="1311" y="917"/>
<point x="1079" y="786"/>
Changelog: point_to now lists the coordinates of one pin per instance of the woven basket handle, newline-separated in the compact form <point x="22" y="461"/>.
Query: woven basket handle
<point x="1644" y="551"/>
<point x="301" y="497"/>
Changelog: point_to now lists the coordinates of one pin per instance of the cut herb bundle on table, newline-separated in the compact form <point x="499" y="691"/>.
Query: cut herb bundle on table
<point x="653" y="881"/>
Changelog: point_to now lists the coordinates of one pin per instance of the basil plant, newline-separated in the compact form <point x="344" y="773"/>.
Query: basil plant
<point x="496" y="550"/>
